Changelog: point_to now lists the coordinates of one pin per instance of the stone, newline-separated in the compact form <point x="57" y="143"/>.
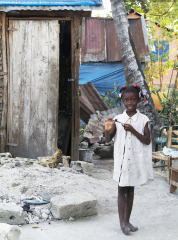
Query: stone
<point x="71" y="219"/>
<point x="9" y="165"/>
<point x="46" y="211"/>
<point x="106" y="152"/>
<point x="8" y="232"/>
<point x="23" y="189"/>
<point x="7" y="155"/>
<point x="76" y="205"/>
<point x="4" y="160"/>
<point x="36" y="212"/>
<point x="44" y="216"/>
<point x="84" y="144"/>
<point x="11" y="213"/>
<point x="15" y="184"/>
<point x="66" y="160"/>
<point x="36" y="219"/>
<point x="86" y="167"/>
<point x="77" y="166"/>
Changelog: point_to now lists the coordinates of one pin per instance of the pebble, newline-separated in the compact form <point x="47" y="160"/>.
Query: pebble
<point x="44" y="216"/>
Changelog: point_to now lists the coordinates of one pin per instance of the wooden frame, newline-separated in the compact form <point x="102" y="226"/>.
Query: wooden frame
<point x="61" y="15"/>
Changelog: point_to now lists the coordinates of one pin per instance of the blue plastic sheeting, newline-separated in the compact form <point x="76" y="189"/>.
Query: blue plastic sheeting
<point x="50" y="3"/>
<point x="103" y="75"/>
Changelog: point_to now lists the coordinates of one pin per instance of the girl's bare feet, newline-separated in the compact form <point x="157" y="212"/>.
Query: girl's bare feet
<point x="126" y="230"/>
<point x="131" y="227"/>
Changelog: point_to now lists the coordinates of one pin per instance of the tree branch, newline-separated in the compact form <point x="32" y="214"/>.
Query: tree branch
<point x="159" y="15"/>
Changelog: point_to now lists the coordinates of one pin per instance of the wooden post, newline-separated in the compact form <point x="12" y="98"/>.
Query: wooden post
<point x="4" y="104"/>
<point x="75" y="87"/>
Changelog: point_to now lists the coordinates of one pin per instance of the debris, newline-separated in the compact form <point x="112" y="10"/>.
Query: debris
<point x="66" y="160"/>
<point x="78" y="204"/>
<point x="53" y="161"/>
<point x="9" y="232"/>
<point x="71" y="219"/>
<point x="84" y="167"/>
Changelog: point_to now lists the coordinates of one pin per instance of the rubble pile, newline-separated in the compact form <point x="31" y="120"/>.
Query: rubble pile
<point x="93" y="136"/>
<point x="24" y="181"/>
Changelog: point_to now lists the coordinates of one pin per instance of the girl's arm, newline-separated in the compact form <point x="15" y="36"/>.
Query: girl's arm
<point x="110" y="129"/>
<point x="143" y="138"/>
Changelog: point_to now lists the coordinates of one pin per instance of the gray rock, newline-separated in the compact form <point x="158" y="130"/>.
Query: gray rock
<point x="106" y="152"/>
<point x="84" y="167"/>
<point x="78" y="204"/>
<point x="9" y="232"/>
<point x="37" y="213"/>
<point x="17" y="164"/>
<point x="44" y="216"/>
<point x="5" y="160"/>
<point x="15" y="184"/>
<point x="23" y="189"/>
<point x="11" y="213"/>
<point x="9" y="165"/>
<point x="7" y="155"/>
<point x="77" y="166"/>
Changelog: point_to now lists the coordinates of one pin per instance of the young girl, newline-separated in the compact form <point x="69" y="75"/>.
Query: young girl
<point x="132" y="152"/>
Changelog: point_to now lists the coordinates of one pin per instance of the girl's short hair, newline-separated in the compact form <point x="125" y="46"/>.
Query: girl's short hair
<point x="132" y="88"/>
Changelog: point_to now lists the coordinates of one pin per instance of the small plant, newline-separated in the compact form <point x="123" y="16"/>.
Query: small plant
<point x="169" y="112"/>
<point x="112" y="98"/>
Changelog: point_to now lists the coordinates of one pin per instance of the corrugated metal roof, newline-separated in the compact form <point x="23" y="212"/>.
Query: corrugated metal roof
<point x="99" y="40"/>
<point x="49" y="5"/>
<point x="50" y="2"/>
<point x="90" y="101"/>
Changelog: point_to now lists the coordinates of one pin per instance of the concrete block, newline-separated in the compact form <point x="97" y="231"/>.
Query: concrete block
<point x="66" y="160"/>
<point x="11" y="213"/>
<point x="86" y="167"/>
<point x="9" y="232"/>
<point x="6" y="154"/>
<point x="76" y="205"/>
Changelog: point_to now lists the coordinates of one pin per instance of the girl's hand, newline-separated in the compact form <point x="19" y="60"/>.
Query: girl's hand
<point x="109" y="124"/>
<point x="128" y="127"/>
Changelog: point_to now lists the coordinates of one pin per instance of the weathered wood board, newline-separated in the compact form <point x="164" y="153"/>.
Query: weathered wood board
<point x="34" y="83"/>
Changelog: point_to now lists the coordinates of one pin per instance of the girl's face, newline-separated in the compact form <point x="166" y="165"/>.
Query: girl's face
<point x="130" y="100"/>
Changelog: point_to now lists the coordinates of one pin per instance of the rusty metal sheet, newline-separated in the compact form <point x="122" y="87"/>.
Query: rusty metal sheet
<point x="90" y="101"/>
<point x="137" y="34"/>
<point x="95" y="40"/>
<point x="99" y="40"/>
<point x="112" y="47"/>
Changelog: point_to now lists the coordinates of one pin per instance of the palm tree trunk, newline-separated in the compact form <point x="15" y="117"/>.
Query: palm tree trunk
<point x="132" y="66"/>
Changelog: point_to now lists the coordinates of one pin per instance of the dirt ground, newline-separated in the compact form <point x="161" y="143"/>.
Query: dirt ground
<point x="155" y="211"/>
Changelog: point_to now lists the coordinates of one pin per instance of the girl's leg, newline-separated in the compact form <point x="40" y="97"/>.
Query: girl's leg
<point x="122" y="208"/>
<point x="128" y="210"/>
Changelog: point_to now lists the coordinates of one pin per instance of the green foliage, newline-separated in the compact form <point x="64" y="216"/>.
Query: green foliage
<point x="155" y="69"/>
<point x="112" y="98"/>
<point x="169" y="110"/>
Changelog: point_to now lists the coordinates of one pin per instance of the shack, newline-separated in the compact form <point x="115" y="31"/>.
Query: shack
<point x="39" y="73"/>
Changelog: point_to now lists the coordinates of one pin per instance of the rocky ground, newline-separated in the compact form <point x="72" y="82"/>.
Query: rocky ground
<point x="155" y="209"/>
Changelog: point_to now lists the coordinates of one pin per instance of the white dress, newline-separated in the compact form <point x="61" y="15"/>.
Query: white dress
<point x="132" y="158"/>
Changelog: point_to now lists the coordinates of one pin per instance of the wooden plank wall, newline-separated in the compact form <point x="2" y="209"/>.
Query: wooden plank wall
<point x="3" y="83"/>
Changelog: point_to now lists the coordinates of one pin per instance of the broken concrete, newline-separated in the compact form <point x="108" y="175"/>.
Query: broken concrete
<point x="11" y="213"/>
<point x="76" y="205"/>
<point x="84" y="167"/>
<point x="8" y="232"/>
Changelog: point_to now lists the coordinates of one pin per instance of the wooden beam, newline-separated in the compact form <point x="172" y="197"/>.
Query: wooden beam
<point x="75" y="86"/>
<point x="39" y="18"/>
<point x="3" y="134"/>
<point x="36" y="13"/>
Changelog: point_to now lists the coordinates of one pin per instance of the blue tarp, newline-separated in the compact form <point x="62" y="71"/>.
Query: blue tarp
<point x="164" y="53"/>
<point x="50" y="2"/>
<point x="103" y="75"/>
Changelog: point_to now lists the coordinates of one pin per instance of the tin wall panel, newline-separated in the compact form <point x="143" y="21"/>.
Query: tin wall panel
<point x="94" y="40"/>
<point x="112" y="47"/>
<point x="99" y="43"/>
<point x="137" y="34"/>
